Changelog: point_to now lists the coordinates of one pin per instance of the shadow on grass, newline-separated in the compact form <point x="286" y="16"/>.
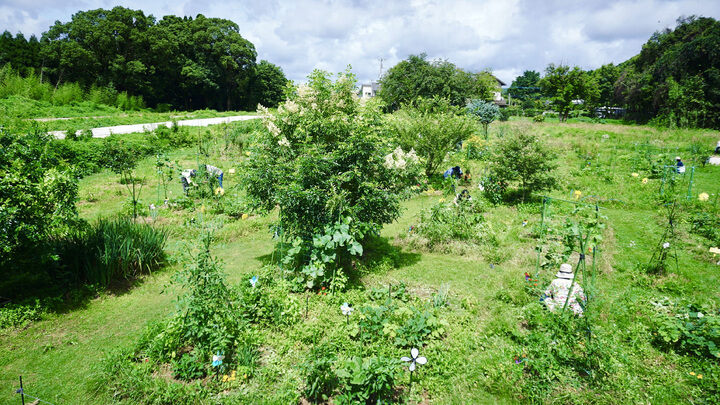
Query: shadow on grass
<point x="53" y="295"/>
<point x="379" y="257"/>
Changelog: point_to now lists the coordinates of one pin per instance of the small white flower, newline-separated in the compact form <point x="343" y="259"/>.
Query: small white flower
<point x="481" y="187"/>
<point x="152" y="207"/>
<point x="632" y="243"/>
<point x="346" y="309"/>
<point x="415" y="358"/>
<point x="666" y="245"/>
<point x="700" y="315"/>
<point x="284" y="142"/>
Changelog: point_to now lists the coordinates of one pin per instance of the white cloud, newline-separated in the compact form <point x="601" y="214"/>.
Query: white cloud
<point x="507" y="36"/>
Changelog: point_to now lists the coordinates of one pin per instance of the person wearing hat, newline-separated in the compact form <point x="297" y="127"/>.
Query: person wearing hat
<point x="680" y="165"/>
<point x="717" y="148"/>
<point x="558" y="291"/>
<point x="215" y="172"/>
<point x="186" y="179"/>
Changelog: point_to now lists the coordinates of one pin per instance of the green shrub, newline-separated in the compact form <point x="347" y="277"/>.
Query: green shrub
<point x="431" y="127"/>
<point x="189" y="367"/>
<point x="689" y="329"/>
<point x="320" y="160"/>
<point x="706" y="223"/>
<point x="320" y="379"/>
<point x="68" y="93"/>
<point x="268" y="301"/>
<point x="111" y="250"/>
<point x="539" y="118"/>
<point x="524" y="159"/>
<point x="18" y="315"/>
<point x="38" y="204"/>
<point x="367" y="380"/>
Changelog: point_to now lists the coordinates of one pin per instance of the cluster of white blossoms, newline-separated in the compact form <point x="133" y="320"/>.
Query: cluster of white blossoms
<point x="284" y="142"/>
<point x="399" y="159"/>
<point x="268" y="120"/>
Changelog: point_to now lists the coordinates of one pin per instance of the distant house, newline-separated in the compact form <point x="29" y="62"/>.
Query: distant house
<point x="497" y="94"/>
<point x="369" y="90"/>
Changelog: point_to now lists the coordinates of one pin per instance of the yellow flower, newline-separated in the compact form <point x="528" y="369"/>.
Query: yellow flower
<point x="635" y="174"/>
<point x="202" y="208"/>
<point x="700" y="376"/>
<point x="245" y="216"/>
<point x="442" y="200"/>
<point x="703" y="196"/>
<point x="231" y="171"/>
<point x="219" y="191"/>
<point x="577" y="194"/>
<point x="715" y="250"/>
<point x="247" y="153"/>
<point x="692" y="373"/>
<point x="225" y="378"/>
<point x="644" y="180"/>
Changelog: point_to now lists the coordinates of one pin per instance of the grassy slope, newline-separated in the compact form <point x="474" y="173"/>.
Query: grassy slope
<point x="57" y="356"/>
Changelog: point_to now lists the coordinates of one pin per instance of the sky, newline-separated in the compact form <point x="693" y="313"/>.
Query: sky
<point x="505" y="36"/>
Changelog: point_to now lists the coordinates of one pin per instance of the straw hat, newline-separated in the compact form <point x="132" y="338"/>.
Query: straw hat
<point x="565" y="272"/>
<point x="677" y="158"/>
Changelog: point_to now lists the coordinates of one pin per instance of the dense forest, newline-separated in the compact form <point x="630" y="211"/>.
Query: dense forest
<point x="673" y="81"/>
<point x="182" y="62"/>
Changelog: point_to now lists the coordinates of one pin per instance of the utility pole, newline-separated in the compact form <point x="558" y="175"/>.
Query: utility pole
<point x="381" y="68"/>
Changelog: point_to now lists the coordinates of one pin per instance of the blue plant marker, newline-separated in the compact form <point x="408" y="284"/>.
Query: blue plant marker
<point x="253" y="280"/>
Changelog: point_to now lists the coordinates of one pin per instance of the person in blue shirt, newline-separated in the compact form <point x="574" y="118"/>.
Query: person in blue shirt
<point x="453" y="172"/>
<point x="680" y="165"/>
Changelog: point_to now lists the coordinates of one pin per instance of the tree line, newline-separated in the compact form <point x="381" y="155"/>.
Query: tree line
<point x="182" y="62"/>
<point x="673" y="81"/>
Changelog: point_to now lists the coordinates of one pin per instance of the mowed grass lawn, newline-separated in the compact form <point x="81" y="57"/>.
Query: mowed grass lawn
<point x="59" y="357"/>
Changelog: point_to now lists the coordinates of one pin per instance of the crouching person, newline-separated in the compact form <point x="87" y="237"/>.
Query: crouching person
<point x="215" y="172"/>
<point x="186" y="179"/>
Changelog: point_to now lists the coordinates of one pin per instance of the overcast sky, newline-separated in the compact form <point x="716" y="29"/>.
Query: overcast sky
<point x="506" y="36"/>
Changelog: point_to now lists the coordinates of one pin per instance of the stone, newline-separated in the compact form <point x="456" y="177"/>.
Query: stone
<point x="557" y="292"/>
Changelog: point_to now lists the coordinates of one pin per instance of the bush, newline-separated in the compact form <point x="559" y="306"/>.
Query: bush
<point x="320" y="160"/>
<point x="111" y="250"/>
<point x="689" y="329"/>
<point x="522" y="158"/>
<point x="320" y="379"/>
<point x="369" y="380"/>
<point x="38" y="204"/>
<point x="431" y="127"/>
<point x="445" y="222"/>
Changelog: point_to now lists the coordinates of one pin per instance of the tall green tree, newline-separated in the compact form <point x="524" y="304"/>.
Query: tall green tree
<point x="675" y="79"/>
<point x="525" y="86"/>
<point x="568" y="88"/>
<point x="268" y="85"/>
<point x="417" y="77"/>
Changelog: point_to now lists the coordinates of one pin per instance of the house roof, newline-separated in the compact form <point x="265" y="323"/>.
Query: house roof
<point x="500" y="82"/>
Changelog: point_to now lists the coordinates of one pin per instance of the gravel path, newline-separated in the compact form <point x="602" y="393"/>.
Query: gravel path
<point x="129" y="129"/>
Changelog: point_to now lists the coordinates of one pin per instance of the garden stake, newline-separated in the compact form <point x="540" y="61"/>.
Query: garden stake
<point x="389" y="292"/>
<point x="307" y="303"/>
<point x="22" y="392"/>
<point x="689" y="193"/>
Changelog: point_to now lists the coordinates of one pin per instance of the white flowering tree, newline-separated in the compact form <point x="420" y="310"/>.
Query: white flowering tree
<point x="321" y="160"/>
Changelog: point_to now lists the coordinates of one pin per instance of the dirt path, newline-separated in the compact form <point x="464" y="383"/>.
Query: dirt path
<point x="104" y="132"/>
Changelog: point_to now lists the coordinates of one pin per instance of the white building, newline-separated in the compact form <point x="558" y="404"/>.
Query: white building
<point x="369" y="90"/>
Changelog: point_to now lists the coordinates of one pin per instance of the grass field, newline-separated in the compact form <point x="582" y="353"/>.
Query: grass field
<point x="59" y="357"/>
<point x="25" y="112"/>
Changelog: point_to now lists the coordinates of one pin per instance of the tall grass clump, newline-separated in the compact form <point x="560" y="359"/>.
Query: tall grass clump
<point x="112" y="250"/>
